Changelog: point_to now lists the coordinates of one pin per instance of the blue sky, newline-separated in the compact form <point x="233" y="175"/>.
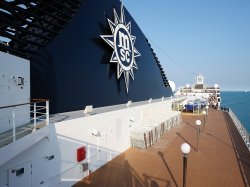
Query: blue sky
<point x="211" y="37"/>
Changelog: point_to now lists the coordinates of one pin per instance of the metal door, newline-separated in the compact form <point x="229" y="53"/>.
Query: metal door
<point x="20" y="175"/>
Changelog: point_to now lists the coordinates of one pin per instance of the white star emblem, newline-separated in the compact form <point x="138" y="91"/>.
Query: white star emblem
<point x="122" y="41"/>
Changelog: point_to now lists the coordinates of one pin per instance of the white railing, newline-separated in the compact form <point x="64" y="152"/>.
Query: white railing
<point x="242" y="130"/>
<point x="17" y="121"/>
<point x="93" y="162"/>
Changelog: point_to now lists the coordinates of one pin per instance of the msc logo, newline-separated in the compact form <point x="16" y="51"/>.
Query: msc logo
<point x="124" y="47"/>
<point x="122" y="41"/>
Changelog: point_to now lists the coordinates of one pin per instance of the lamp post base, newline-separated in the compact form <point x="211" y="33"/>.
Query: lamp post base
<point x="184" y="169"/>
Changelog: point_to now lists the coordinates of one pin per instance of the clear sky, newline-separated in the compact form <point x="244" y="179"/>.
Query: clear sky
<point x="211" y="37"/>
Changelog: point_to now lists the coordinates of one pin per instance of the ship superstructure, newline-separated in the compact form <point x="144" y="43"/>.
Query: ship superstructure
<point x="70" y="101"/>
<point x="72" y="97"/>
<point x="200" y="91"/>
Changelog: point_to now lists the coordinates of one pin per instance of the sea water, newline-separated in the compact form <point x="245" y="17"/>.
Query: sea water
<point x="239" y="103"/>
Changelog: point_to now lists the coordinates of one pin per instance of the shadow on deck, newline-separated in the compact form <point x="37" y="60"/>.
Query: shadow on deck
<point x="121" y="174"/>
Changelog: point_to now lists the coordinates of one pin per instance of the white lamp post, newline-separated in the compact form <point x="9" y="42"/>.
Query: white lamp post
<point x="185" y="149"/>
<point x="198" y="124"/>
<point x="97" y="134"/>
<point x="207" y="109"/>
<point x="205" y="119"/>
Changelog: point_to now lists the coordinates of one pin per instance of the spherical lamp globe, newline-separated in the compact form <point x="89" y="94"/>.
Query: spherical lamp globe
<point x="185" y="148"/>
<point x="198" y="122"/>
<point x="216" y="86"/>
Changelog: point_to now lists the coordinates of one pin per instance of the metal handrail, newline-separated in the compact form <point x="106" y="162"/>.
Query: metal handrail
<point x="73" y="166"/>
<point x="32" y="102"/>
<point x="241" y="129"/>
<point x="10" y="106"/>
<point x="21" y="120"/>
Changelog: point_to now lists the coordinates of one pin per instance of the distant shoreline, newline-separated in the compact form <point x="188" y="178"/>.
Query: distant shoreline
<point x="235" y="91"/>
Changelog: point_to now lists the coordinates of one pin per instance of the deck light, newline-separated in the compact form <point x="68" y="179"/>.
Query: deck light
<point x="88" y="110"/>
<point x="132" y="119"/>
<point x="207" y="109"/>
<point x="129" y="103"/>
<point x="205" y="119"/>
<point x="96" y="132"/>
<point x="185" y="149"/>
<point x="198" y="124"/>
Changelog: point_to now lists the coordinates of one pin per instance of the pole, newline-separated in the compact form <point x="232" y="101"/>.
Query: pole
<point x="248" y="144"/>
<point x="198" y="134"/>
<point x="47" y="112"/>
<point x="204" y="123"/>
<point x="184" y="169"/>
<point x="98" y="147"/>
<point x="35" y="116"/>
<point x="206" y="117"/>
<point x="14" y="124"/>
<point x="145" y="140"/>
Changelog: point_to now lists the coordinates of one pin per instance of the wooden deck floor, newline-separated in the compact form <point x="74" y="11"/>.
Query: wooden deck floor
<point x="223" y="160"/>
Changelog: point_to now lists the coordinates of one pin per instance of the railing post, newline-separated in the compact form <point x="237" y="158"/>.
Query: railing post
<point x="248" y="138"/>
<point x="248" y="145"/>
<point x="14" y="125"/>
<point x="47" y="112"/>
<point x="246" y="135"/>
<point x="34" y="116"/>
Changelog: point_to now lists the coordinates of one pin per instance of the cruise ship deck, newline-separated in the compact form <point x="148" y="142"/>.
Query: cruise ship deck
<point x="222" y="159"/>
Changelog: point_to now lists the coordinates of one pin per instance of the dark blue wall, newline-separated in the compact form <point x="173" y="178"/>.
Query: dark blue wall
<point x="74" y="70"/>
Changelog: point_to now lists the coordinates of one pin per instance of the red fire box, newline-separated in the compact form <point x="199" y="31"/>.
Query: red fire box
<point x="81" y="154"/>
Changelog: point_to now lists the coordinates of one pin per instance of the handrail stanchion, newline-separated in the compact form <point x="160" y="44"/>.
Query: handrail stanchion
<point x="23" y="121"/>
<point x="35" y="116"/>
<point x="14" y="125"/>
<point x="248" y="145"/>
<point x="47" y="112"/>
